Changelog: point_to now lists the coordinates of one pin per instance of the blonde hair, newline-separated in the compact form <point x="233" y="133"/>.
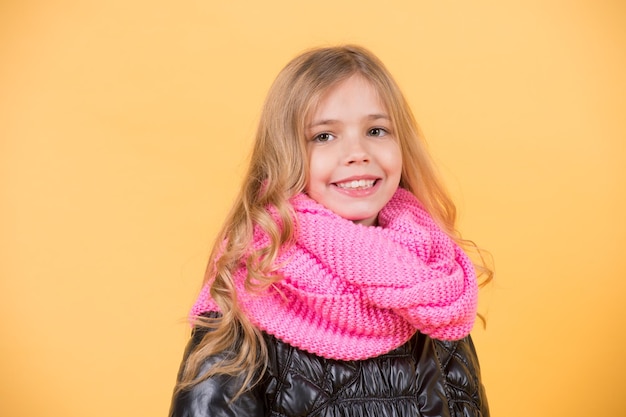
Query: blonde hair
<point x="278" y="170"/>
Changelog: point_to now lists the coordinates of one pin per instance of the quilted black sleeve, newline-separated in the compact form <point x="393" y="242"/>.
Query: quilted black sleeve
<point x="214" y="396"/>
<point x="458" y="362"/>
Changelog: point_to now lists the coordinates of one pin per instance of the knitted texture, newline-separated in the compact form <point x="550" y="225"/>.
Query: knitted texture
<point x="352" y="292"/>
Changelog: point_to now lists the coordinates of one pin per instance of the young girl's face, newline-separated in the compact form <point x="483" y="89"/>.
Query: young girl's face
<point x="355" y="160"/>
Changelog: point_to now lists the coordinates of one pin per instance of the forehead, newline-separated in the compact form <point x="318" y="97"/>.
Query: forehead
<point x="353" y="94"/>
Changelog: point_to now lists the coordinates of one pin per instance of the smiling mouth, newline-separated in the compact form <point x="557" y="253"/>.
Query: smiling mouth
<point x="356" y="184"/>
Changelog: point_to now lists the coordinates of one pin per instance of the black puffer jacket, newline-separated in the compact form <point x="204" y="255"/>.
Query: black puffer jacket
<point x="424" y="377"/>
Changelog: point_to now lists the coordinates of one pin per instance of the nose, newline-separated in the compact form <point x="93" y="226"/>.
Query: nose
<point x="356" y="151"/>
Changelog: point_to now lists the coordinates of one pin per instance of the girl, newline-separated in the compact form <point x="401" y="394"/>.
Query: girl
<point x="337" y="286"/>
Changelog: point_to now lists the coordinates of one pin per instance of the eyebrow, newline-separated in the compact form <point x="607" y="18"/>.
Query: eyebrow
<point x="372" y="117"/>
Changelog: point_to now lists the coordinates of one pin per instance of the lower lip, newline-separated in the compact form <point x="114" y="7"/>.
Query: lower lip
<point x="359" y="192"/>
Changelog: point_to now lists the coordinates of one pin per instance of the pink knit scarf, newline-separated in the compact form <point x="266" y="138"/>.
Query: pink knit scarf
<point x="354" y="292"/>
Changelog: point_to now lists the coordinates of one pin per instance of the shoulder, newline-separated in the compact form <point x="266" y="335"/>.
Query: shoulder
<point x="215" y="396"/>
<point x="453" y="371"/>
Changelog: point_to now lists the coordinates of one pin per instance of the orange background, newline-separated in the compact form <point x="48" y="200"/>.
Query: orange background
<point x="124" y="131"/>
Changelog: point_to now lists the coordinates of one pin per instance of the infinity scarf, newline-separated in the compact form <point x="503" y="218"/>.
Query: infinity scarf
<point x="353" y="292"/>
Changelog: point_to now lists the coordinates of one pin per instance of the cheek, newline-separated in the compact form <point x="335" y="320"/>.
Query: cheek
<point x="312" y="173"/>
<point x="318" y="168"/>
<point x="392" y="159"/>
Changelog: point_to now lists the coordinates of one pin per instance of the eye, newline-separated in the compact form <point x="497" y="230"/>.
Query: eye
<point x="377" y="132"/>
<point x="323" y="137"/>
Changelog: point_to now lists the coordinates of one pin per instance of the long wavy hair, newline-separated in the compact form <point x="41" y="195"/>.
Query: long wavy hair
<point x="278" y="170"/>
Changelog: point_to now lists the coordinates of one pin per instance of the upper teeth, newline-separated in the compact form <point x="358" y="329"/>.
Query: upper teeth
<point x="356" y="184"/>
